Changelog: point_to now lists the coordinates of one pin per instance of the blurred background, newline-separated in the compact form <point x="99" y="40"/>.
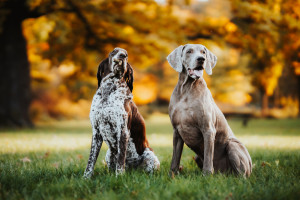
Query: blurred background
<point x="50" y="51"/>
<point x="49" y="56"/>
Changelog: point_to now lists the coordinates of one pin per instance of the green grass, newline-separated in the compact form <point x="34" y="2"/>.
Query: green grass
<point x="57" y="153"/>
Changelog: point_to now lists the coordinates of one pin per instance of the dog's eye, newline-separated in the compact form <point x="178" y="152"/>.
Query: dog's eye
<point x="190" y="51"/>
<point x="202" y="51"/>
<point x="114" y="52"/>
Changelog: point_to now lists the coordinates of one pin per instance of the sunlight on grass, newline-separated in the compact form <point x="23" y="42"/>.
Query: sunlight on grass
<point x="159" y="118"/>
<point x="73" y="135"/>
<point x="21" y="143"/>
<point x="268" y="142"/>
<point x="271" y="142"/>
<point x="254" y="136"/>
<point x="50" y="160"/>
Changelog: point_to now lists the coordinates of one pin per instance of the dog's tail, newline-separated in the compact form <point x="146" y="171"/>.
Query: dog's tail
<point x="138" y="134"/>
<point x="239" y="158"/>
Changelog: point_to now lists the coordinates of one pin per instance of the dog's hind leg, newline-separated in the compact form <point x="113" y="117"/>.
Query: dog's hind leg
<point x="199" y="161"/>
<point x="150" y="162"/>
<point x="97" y="141"/>
<point x="239" y="159"/>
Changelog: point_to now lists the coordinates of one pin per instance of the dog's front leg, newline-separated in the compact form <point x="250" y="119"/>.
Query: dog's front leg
<point x="177" y="151"/>
<point x="122" y="149"/>
<point x="209" y="143"/>
<point x="97" y="141"/>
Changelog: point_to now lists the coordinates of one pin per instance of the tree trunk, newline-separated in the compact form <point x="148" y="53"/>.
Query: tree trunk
<point x="15" y="91"/>
<point x="265" y="105"/>
<point x="298" y="77"/>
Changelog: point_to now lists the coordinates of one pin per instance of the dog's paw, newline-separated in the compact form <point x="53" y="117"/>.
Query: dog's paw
<point x="150" y="162"/>
<point x="207" y="172"/>
<point x="172" y="173"/>
<point x="87" y="175"/>
<point x="120" y="171"/>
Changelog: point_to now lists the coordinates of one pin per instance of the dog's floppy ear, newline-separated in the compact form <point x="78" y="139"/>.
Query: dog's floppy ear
<point x="101" y="68"/>
<point x="129" y="77"/>
<point x="210" y="62"/>
<point x="175" y="58"/>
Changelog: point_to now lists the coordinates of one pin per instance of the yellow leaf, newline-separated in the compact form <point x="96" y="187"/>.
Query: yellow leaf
<point x="263" y="164"/>
<point x="56" y="165"/>
<point x="25" y="159"/>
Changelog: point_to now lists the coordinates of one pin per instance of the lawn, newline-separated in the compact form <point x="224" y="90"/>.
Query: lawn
<point x="48" y="163"/>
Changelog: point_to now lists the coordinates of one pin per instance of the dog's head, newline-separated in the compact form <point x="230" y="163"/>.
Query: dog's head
<point x="117" y="63"/>
<point x="194" y="58"/>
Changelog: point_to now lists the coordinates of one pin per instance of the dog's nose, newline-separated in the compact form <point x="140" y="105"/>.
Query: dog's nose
<point x="200" y="59"/>
<point x="122" y="55"/>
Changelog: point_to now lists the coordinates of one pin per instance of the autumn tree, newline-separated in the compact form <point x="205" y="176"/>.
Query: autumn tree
<point x="268" y="31"/>
<point x="65" y="41"/>
<point x="14" y="75"/>
<point x="15" y="70"/>
<point x="74" y="30"/>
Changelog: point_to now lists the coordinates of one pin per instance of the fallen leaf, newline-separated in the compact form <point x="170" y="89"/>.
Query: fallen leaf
<point x="134" y="193"/>
<point x="25" y="159"/>
<point x="229" y="196"/>
<point x="46" y="155"/>
<point x="263" y="164"/>
<point x="173" y="175"/>
<point x="180" y="168"/>
<point x="56" y="165"/>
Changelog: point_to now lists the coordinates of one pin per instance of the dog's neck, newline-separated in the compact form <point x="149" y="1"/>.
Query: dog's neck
<point x="112" y="81"/>
<point x="186" y="83"/>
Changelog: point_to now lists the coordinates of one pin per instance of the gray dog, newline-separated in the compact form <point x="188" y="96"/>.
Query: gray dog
<point x="197" y="121"/>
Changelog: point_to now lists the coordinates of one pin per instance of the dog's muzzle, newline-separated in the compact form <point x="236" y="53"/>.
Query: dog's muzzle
<point x="119" y="66"/>
<point x="196" y="72"/>
<point x="118" y="62"/>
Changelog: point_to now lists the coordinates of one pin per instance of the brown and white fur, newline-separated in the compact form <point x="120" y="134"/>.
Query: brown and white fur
<point x="116" y="120"/>
<point x="197" y="121"/>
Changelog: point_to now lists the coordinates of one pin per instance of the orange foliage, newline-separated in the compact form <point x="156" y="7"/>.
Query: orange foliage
<point x="270" y="76"/>
<point x="64" y="61"/>
<point x="290" y="108"/>
<point x="145" y="89"/>
<point x="296" y="66"/>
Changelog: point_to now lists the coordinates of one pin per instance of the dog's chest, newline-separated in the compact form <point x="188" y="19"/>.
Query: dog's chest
<point x="189" y="108"/>
<point x="185" y="119"/>
<point x="108" y="113"/>
<point x="182" y="112"/>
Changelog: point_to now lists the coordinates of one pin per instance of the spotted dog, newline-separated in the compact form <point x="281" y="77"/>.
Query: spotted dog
<point x="116" y="120"/>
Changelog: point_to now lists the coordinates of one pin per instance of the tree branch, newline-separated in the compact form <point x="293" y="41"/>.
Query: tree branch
<point x="90" y="34"/>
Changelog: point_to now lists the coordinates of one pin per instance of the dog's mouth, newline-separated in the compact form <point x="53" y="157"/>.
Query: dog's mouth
<point x="118" y="62"/>
<point x="196" y="72"/>
<point x="119" y="66"/>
